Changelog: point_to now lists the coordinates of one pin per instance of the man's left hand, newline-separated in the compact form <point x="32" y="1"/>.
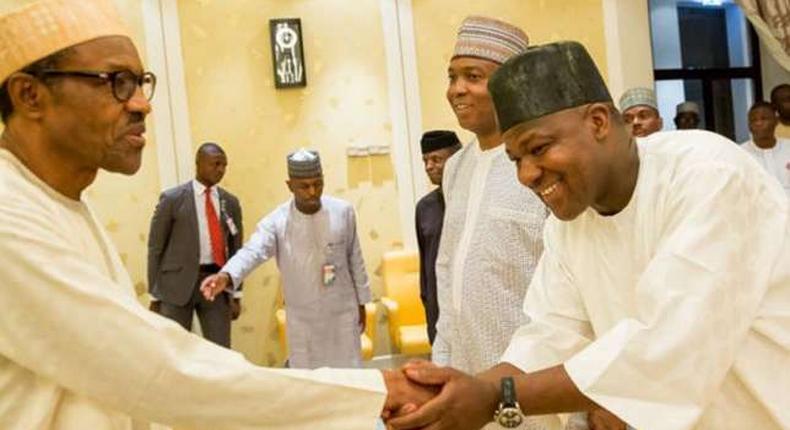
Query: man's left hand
<point x="362" y="319"/>
<point x="465" y="402"/>
<point x="235" y="308"/>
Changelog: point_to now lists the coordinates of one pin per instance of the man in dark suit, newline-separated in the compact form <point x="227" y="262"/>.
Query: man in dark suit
<point x="195" y="229"/>
<point x="437" y="146"/>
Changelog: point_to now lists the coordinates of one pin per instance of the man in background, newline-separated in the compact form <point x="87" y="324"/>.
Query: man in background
<point x="437" y="146"/>
<point x="772" y="152"/>
<point x="687" y="116"/>
<point x="640" y="111"/>
<point x="780" y="98"/>
<point x="314" y="239"/>
<point x="195" y="216"/>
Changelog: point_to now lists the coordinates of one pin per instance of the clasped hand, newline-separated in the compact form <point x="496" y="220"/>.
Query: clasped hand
<point x="424" y="396"/>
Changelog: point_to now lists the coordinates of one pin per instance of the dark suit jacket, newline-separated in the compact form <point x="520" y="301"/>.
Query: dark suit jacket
<point x="428" y="220"/>
<point x="174" y="243"/>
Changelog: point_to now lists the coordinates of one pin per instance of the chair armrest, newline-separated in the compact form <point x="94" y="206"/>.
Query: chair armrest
<point x="370" y="320"/>
<point x="393" y="311"/>
<point x="392" y="308"/>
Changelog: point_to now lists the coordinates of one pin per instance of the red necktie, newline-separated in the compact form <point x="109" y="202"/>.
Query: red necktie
<point x="215" y="232"/>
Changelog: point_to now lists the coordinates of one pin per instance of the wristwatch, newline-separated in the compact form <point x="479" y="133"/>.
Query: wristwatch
<point x="508" y="414"/>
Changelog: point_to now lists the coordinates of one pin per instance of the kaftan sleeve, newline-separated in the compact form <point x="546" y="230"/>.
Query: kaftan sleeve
<point x="356" y="263"/>
<point x="69" y="323"/>
<point x="721" y="235"/>
<point x="258" y="249"/>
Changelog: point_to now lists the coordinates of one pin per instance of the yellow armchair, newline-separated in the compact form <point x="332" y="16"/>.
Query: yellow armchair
<point x="407" y="325"/>
<point x="366" y="339"/>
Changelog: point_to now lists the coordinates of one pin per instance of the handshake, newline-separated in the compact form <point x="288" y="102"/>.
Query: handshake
<point x="421" y="395"/>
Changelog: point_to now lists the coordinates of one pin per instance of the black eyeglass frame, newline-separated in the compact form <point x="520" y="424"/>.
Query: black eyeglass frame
<point x="109" y="77"/>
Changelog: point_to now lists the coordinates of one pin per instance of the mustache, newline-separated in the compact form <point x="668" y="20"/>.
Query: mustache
<point x="136" y="124"/>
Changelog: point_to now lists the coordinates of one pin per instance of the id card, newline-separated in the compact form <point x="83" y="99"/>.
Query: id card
<point x="231" y="226"/>
<point x="328" y="274"/>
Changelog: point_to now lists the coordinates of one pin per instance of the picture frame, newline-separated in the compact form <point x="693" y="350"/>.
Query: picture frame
<point x="287" y="53"/>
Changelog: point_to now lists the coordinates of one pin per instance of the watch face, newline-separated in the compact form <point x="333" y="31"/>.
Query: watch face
<point x="510" y="417"/>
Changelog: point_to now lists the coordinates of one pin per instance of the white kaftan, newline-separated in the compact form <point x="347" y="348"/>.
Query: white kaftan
<point x="491" y="242"/>
<point x="322" y="321"/>
<point x="78" y="351"/>
<point x="674" y="314"/>
<point x="775" y="160"/>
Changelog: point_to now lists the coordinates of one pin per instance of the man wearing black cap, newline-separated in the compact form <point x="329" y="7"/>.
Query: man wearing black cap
<point x="658" y="297"/>
<point x="437" y="147"/>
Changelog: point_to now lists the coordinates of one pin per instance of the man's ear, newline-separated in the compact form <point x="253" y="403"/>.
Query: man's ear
<point x="28" y="95"/>
<point x="598" y="116"/>
<point x="288" y="183"/>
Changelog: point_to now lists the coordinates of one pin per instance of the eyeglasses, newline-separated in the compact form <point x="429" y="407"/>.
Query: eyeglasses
<point x="124" y="82"/>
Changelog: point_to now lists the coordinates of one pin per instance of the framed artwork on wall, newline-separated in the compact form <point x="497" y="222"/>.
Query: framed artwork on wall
<point x="287" y="52"/>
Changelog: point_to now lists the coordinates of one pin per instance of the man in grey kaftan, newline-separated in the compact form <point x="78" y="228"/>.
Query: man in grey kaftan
<point x="314" y="240"/>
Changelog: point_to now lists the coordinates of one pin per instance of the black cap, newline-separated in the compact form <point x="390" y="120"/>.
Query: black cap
<point x="438" y="139"/>
<point x="543" y="80"/>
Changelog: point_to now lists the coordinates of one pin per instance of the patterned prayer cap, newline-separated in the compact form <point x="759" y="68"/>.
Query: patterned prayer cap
<point x="687" y="107"/>
<point x="638" y="97"/>
<point x="304" y="163"/>
<point x="489" y="39"/>
<point x="543" y="80"/>
<point x="45" y="27"/>
<point x="438" y="139"/>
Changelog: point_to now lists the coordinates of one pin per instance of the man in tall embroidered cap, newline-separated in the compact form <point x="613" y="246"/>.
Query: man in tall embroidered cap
<point x="658" y="297"/>
<point x="437" y="146"/>
<point x="492" y="234"/>
<point x="640" y="111"/>
<point x="314" y="239"/>
<point x="77" y="350"/>
<point x="687" y="116"/>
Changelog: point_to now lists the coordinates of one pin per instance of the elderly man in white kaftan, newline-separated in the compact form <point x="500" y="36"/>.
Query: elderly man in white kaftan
<point x="663" y="295"/>
<point x="314" y="239"/>
<point x="77" y="349"/>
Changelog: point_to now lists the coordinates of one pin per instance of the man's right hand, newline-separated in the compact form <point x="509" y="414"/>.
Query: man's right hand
<point x="214" y="285"/>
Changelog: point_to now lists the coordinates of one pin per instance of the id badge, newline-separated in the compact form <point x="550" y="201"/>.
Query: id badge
<point x="231" y="226"/>
<point x="328" y="274"/>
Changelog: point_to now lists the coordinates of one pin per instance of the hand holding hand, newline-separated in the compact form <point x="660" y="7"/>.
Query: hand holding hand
<point x="402" y="392"/>
<point x="465" y="402"/>
<point x="214" y="284"/>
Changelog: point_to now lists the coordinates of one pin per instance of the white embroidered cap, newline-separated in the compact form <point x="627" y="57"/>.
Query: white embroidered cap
<point x="45" y="27"/>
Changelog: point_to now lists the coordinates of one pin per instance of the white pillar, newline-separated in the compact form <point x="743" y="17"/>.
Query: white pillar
<point x="171" y="110"/>
<point x="406" y="117"/>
